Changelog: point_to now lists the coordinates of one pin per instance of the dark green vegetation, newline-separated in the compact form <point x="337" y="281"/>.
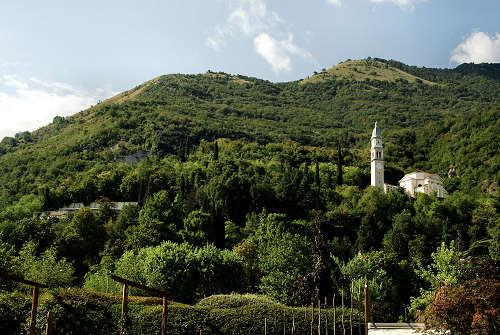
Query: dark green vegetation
<point x="80" y="312"/>
<point x="252" y="186"/>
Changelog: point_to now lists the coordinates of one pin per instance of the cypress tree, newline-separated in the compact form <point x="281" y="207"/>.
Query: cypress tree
<point x="216" y="151"/>
<point x="340" y="162"/>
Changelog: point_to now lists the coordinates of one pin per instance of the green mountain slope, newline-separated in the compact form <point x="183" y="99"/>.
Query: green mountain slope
<point x="366" y="69"/>
<point x="431" y="119"/>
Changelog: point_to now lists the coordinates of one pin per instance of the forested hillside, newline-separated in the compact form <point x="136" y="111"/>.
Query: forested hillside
<point x="267" y="183"/>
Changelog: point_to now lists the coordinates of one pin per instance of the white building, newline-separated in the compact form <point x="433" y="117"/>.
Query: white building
<point x="413" y="183"/>
<point x="423" y="182"/>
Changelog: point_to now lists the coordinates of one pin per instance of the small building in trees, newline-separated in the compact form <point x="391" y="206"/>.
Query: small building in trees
<point x="423" y="182"/>
<point x="412" y="183"/>
<point x="115" y="206"/>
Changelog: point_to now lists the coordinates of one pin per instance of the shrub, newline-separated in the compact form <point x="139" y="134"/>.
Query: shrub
<point x="188" y="272"/>
<point x="78" y="312"/>
<point x="14" y="309"/>
<point x="470" y="308"/>
<point x="233" y="300"/>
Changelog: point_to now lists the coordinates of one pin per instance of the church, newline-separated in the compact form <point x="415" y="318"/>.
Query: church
<point x="413" y="183"/>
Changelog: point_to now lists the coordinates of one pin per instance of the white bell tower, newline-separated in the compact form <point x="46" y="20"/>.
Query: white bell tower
<point x="377" y="158"/>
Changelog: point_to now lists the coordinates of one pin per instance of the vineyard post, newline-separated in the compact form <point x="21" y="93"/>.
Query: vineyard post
<point x="350" y="315"/>
<point x="312" y="316"/>
<point x="34" y="301"/>
<point x="334" y="317"/>
<point x="359" y="309"/>
<point x="126" y="283"/>
<point x="326" y="318"/>
<point x="366" y="308"/>
<point x="164" y="316"/>
<point x="343" y="312"/>
<point x="48" y="329"/>
<point x="124" y="308"/>
<point x="319" y="316"/>
<point x="284" y="323"/>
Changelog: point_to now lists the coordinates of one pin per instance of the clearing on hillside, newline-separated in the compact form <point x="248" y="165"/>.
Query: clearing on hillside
<point x="360" y="70"/>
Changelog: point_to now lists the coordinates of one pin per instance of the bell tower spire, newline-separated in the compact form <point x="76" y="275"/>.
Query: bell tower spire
<point x="377" y="158"/>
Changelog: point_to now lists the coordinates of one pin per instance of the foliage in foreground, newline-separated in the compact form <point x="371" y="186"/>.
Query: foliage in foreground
<point x="86" y="312"/>
<point x="183" y="270"/>
<point x="469" y="308"/>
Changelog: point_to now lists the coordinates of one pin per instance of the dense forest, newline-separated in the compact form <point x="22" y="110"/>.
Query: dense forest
<point x="239" y="184"/>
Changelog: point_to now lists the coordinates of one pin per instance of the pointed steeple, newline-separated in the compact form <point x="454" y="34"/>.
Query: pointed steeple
<point x="377" y="158"/>
<point x="376" y="131"/>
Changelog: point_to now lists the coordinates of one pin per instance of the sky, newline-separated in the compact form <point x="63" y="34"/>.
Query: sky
<point x="58" y="57"/>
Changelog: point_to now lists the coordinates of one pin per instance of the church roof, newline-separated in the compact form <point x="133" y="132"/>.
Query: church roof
<point x="376" y="131"/>
<point x="420" y="175"/>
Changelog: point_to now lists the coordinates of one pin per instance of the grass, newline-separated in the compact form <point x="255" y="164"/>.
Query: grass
<point x="360" y="70"/>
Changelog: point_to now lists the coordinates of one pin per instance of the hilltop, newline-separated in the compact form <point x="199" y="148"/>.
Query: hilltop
<point x="366" y="69"/>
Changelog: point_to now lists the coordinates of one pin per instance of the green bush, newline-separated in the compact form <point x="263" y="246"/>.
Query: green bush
<point x="14" y="310"/>
<point x="187" y="272"/>
<point x="245" y="320"/>
<point x="233" y="300"/>
<point x="78" y="311"/>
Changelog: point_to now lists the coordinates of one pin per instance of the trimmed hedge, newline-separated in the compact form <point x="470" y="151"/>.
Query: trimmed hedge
<point x="14" y="310"/>
<point x="234" y="300"/>
<point x="77" y="311"/>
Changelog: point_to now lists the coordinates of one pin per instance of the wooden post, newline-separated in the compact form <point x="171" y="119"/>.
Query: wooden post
<point x="293" y="323"/>
<point x="34" y="303"/>
<point x="360" y="307"/>
<point x="265" y="326"/>
<point x="48" y="329"/>
<point x="343" y="324"/>
<point x="312" y="316"/>
<point x="326" y="319"/>
<point x="366" y="308"/>
<point x="275" y="329"/>
<point x="124" y="308"/>
<point x="350" y="315"/>
<point x="34" y="306"/>
<point x="319" y="316"/>
<point x="126" y="283"/>
<point x="334" y="317"/>
<point x="164" y="317"/>
<point x="284" y="323"/>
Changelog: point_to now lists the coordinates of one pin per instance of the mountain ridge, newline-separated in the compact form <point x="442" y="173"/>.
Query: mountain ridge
<point x="420" y="122"/>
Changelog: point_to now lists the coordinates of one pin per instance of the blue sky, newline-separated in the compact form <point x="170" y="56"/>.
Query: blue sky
<point x="58" y="57"/>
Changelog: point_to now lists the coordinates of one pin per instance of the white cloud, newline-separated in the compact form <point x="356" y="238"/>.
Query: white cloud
<point x="11" y="80"/>
<point x="478" y="47"/>
<point x="334" y="2"/>
<point x="252" y="19"/>
<point x="214" y="43"/>
<point x="403" y="4"/>
<point x="246" y="18"/>
<point x="278" y="53"/>
<point x="5" y="64"/>
<point x="272" y="52"/>
<point x="30" y="104"/>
